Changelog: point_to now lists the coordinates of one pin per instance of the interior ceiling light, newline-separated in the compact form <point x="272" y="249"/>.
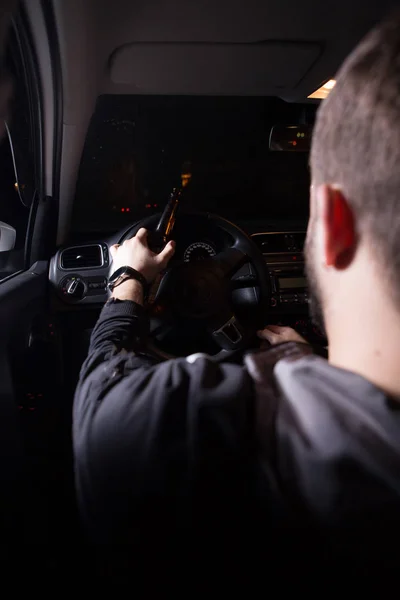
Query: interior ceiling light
<point x="324" y="90"/>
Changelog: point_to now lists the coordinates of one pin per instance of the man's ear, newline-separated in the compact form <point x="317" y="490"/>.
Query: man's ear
<point x="338" y="227"/>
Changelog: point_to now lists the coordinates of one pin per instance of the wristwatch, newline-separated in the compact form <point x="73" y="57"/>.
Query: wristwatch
<point x="123" y="274"/>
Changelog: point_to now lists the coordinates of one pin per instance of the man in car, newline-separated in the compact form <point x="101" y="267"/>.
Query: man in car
<point x="206" y="463"/>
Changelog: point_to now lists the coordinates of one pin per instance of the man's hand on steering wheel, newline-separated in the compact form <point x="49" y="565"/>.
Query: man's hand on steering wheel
<point x="135" y="253"/>
<point x="274" y="334"/>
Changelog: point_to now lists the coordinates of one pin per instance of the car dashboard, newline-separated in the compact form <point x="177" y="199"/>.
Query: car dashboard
<point x="78" y="273"/>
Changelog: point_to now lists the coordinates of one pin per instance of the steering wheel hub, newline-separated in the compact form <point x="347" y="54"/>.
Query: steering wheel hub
<point x="199" y="291"/>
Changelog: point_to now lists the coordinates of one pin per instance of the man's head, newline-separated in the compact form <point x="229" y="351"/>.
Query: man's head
<point x="355" y="165"/>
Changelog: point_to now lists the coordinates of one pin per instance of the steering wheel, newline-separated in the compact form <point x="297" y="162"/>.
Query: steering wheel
<point x="198" y="294"/>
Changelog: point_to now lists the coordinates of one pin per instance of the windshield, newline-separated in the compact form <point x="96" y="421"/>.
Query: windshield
<point x="136" y="147"/>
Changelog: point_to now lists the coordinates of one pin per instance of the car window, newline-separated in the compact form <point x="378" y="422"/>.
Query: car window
<point x="17" y="180"/>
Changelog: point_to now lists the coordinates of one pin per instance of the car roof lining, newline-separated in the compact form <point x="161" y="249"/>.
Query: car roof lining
<point x="177" y="47"/>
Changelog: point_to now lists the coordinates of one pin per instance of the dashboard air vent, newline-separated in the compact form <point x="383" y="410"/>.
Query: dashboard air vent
<point x="82" y="257"/>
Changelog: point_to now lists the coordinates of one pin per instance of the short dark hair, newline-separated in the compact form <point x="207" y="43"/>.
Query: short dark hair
<point x="356" y="139"/>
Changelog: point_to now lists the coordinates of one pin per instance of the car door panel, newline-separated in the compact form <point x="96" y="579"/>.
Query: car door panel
<point x="22" y="303"/>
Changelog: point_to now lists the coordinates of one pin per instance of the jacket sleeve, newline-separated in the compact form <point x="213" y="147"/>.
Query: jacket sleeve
<point x="122" y="327"/>
<point x="153" y="441"/>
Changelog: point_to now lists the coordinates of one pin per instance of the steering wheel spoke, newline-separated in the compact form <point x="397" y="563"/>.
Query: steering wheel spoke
<point x="229" y="333"/>
<point x="229" y="261"/>
<point x="243" y="282"/>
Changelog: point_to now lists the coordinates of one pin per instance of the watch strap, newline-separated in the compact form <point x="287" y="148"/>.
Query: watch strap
<point x="123" y="274"/>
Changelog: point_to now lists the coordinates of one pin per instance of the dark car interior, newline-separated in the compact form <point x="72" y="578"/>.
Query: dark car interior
<point x="115" y="105"/>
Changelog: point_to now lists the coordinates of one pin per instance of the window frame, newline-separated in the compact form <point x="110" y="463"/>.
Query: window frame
<point x="21" y="46"/>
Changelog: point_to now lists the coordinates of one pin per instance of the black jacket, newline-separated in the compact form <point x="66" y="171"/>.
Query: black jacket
<point x="191" y="458"/>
